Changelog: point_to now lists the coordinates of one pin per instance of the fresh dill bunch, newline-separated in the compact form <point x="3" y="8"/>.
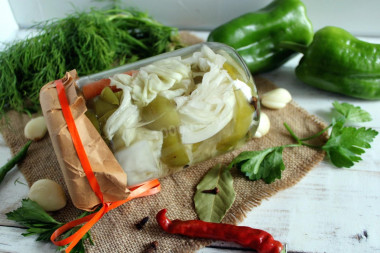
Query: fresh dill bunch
<point x="86" y="41"/>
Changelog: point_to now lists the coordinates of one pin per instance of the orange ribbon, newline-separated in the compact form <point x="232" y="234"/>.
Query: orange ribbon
<point x="141" y="190"/>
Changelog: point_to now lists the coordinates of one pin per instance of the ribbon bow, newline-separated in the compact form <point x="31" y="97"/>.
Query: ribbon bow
<point x="141" y="190"/>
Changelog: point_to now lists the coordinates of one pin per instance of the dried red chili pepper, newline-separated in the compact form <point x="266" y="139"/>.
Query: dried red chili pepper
<point x="256" y="239"/>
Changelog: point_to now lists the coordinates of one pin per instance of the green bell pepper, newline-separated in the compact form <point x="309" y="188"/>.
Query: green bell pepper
<point x="339" y="62"/>
<point x="256" y="35"/>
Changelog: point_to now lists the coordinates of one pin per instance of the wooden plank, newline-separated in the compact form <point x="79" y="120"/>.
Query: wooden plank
<point x="11" y="241"/>
<point x="330" y="210"/>
<point x="13" y="188"/>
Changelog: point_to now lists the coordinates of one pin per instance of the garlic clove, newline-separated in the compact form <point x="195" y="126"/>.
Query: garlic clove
<point x="48" y="194"/>
<point x="264" y="126"/>
<point x="35" y="129"/>
<point x="276" y="99"/>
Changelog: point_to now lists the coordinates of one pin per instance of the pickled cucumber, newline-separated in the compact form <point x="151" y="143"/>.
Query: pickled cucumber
<point x="231" y="70"/>
<point x="118" y="142"/>
<point x="173" y="152"/>
<point x="119" y="95"/>
<point x="103" y="119"/>
<point x="101" y="107"/>
<point x="107" y="95"/>
<point x="161" y="113"/>
<point x="241" y="123"/>
<point x="237" y="73"/>
<point x="92" y="117"/>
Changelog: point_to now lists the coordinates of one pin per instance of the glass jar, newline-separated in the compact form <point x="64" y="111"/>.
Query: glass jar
<point x="168" y="112"/>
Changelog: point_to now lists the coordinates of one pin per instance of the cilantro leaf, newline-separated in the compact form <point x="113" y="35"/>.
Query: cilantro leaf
<point x="346" y="144"/>
<point x="263" y="164"/>
<point x="351" y="112"/>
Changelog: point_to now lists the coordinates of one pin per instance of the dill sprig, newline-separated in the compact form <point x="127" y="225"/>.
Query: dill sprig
<point x="86" y="41"/>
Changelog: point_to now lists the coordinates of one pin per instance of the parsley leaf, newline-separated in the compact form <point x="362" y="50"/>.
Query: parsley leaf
<point x="38" y="222"/>
<point x="80" y="247"/>
<point x="346" y="144"/>
<point x="351" y="112"/>
<point x="343" y="148"/>
<point x="263" y="164"/>
<point x="36" y="219"/>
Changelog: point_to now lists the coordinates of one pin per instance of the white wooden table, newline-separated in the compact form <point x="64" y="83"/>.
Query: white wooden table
<point x="329" y="210"/>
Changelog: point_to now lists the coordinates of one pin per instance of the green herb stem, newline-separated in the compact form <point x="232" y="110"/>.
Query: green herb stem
<point x="291" y="145"/>
<point x="317" y="134"/>
<point x="16" y="159"/>
<point x="292" y="134"/>
<point x="301" y="141"/>
<point x="311" y="146"/>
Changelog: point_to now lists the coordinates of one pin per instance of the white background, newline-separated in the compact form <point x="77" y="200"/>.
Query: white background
<point x="358" y="17"/>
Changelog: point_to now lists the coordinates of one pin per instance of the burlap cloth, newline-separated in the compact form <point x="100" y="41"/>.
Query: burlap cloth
<point x="116" y="231"/>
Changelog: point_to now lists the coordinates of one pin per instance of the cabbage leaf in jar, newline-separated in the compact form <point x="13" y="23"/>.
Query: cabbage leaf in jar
<point x="178" y="111"/>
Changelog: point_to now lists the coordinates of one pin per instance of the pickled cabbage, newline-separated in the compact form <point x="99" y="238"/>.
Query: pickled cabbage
<point x="177" y="111"/>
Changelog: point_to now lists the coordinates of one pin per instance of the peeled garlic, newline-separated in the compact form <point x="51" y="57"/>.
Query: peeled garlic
<point x="263" y="127"/>
<point x="48" y="194"/>
<point x="276" y="99"/>
<point x="35" y="129"/>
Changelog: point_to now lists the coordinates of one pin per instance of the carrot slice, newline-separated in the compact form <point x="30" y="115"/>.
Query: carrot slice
<point x="94" y="89"/>
<point x="131" y="72"/>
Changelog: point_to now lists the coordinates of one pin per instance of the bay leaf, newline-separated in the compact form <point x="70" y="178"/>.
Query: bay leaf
<point x="212" y="207"/>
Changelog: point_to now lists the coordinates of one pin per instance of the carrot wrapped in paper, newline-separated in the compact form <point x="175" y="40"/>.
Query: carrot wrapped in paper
<point x="111" y="177"/>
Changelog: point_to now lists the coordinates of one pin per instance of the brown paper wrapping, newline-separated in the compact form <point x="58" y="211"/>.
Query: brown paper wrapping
<point x="111" y="177"/>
